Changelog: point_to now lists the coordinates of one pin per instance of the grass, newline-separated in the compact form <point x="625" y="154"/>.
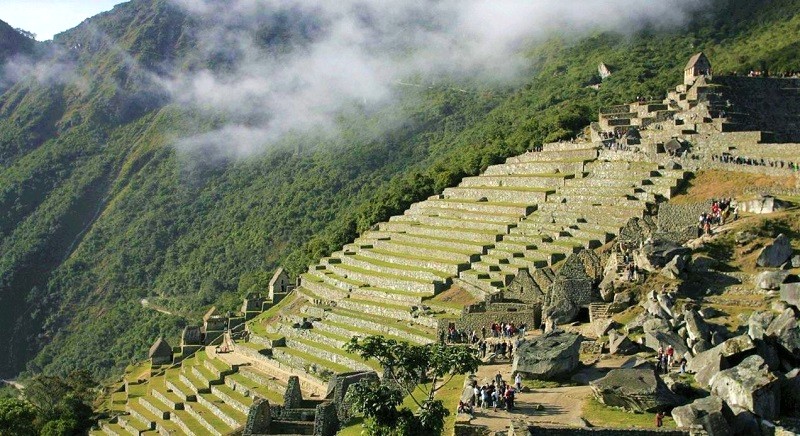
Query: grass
<point x="600" y="415"/>
<point x="709" y="184"/>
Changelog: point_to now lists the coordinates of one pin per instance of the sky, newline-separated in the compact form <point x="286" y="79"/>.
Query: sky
<point x="46" y="18"/>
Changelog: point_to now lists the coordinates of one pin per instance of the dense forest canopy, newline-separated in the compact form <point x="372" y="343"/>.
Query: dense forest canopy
<point x="120" y="181"/>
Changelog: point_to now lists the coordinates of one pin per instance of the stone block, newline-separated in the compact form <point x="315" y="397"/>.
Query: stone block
<point x="751" y="386"/>
<point x="548" y="357"/>
<point x="776" y="253"/>
<point x="635" y="390"/>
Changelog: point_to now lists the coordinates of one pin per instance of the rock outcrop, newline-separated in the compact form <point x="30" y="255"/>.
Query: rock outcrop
<point x="750" y="386"/>
<point x="709" y="412"/>
<point x="775" y="253"/>
<point x="786" y="333"/>
<point x="636" y="390"/>
<point x="547" y="357"/>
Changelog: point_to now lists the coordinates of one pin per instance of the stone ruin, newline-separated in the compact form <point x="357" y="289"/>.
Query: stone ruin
<point x="160" y="352"/>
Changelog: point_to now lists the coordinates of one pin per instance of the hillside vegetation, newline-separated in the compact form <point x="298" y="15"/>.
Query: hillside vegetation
<point x="98" y="210"/>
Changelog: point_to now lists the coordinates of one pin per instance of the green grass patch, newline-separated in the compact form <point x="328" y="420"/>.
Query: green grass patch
<point x="599" y="415"/>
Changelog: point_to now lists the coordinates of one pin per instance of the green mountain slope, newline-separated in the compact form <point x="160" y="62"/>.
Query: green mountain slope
<point x="98" y="210"/>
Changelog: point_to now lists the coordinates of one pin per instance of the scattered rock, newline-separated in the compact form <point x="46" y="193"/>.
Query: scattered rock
<point x="744" y="422"/>
<point x="790" y="294"/>
<point x="744" y="237"/>
<point x="655" y="255"/>
<point x="763" y="204"/>
<point x="790" y="393"/>
<point x="703" y="264"/>
<point x="758" y="324"/>
<point x="637" y="363"/>
<point x="601" y="326"/>
<point x="786" y="332"/>
<point x="657" y="333"/>
<point x="708" y="363"/>
<point x="708" y="312"/>
<point x="636" y="390"/>
<point x="676" y="384"/>
<point x="621" y="344"/>
<point x="795" y="262"/>
<point x="769" y="280"/>
<point x="548" y="356"/>
<point x="775" y="253"/>
<point x="675" y="267"/>
<point x="709" y="412"/>
<point x="701" y="346"/>
<point x="751" y="386"/>
<point x="696" y="328"/>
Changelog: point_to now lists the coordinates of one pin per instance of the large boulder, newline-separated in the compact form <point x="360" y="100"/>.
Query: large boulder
<point x="785" y="331"/>
<point x="764" y="204"/>
<point x="549" y="356"/>
<point x="710" y="412"/>
<point x="602" y="326"/>
<point x="658" y="333"/>
<point x="708" y="363"/>
<point x="751" y="386"/>
<point x="635" y="390"/>
<point x="775" y="253"/>
<point x="675" y="267"/>
<point x="790" y="294"/>
<point x="621" y="344"/>
<point x="696" y="327"/>
<point x="758" y="323"/>
<point x="790" y="393"/>
<point x="655" y="255"/>
<point x="771" y="280"/>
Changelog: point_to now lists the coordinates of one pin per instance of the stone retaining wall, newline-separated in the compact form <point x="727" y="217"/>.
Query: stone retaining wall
<point x="369" y="325"/>
<point x="200" y="420"/>
<point x="231" y="421"/>
<point x="678" y="222"/>
<point x="229" y="400"/>
<point x="325" y="354"/>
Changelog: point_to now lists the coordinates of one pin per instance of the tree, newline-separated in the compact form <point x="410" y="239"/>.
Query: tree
<point x="410" y="370"/>
<point x="17" y="417"/>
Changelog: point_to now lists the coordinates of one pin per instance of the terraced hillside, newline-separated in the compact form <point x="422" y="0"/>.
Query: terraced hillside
<point x="529" y="212"/>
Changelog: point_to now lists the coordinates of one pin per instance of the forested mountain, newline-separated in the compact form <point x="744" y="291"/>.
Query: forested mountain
<point x="102" y="205"/>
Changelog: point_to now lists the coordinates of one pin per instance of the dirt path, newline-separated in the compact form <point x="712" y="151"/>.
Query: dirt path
<point x="560" y="405"/>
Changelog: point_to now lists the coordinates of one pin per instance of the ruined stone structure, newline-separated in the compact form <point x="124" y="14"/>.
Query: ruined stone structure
<point x="519" y="237"/>
<point x="160" y="352"/>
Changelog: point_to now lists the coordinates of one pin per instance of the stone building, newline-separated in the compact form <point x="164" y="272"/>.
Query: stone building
<point x="279" y="286"/>
<point x="698" y="66"/>
<point x="160" y="352"/>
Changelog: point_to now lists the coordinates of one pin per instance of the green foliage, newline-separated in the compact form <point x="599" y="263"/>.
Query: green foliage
<point x="406" y="366"/>
<point x="17" y="417"/>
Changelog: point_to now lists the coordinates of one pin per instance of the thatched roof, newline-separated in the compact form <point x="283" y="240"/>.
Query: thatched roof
<point x="695" y="59"/>
<point x="160" y="349"/>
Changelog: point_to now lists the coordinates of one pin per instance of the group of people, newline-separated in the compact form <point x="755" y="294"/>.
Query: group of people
<point x="496" y="395"/>
<point x="504" y="330"/>
<point x="738" y="160"/>
<point x="504" y="349"/>
<point x="665" y="359"/>
<point x="720" y="210"/>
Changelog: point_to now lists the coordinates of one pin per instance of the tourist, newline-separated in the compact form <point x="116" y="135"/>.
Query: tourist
<point x="683" y="365"/>
<point x="483" y="332"/>
<point x="498" y="378"/>
<point x="509" y="397"/>
<point x="510" y="350"/>
<point x="660" y="419"/>
<point x="518" y="381"/>
<point x="670" y="355"/>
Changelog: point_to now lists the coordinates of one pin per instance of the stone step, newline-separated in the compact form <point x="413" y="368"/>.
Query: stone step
<point x="498" y="194"/>
<point x="486" y="207"/>
<point x="430" y="250"/>
<point x="222" y="410"/>
<point x="133" y="425"/>
<point x="195" y="383"/>
<point x="321" y="288"/>
<point x="386" y="310"/>
<point x="450" y="223"/>
<point x="586" y="154"/>
<point x="399" y="270"/>
<point x="553" y="180"/>
<point x="384" y="280"/>
<point x="565" y="146"/>
<point x="596" y="190"/>
<point x="529" y="168"/>
<point x="114" y="429"/>
<point x="391" y="296"/>
<point x="587" y="212"/>
<point x="317" y="367"/>
<point x="233" y="398"/>
<point x="430" y="208"/>
<point x="179" y="388"/>
<point x="415" y="259"/>
<point x="602" y="200"/>
<point x="146" y="418"/>
<point x="270" y="388"/>
<point x="327" y="353"/>
<point x="441" y="243"/>
<point x="217" y="367"/>
<point x="164" y="427"/>
<point x="389" y="326"/>
<point x="529" y="259"/>
<point x="189" y="425"/>
<point x="472" y="235"/>
<point x="590" y="182"/>
<point x="493" y="282"/>
<point x="205" y="375"/>
<point x="154" y="405"/>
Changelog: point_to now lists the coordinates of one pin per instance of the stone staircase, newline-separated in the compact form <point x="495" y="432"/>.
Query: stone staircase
<point x="201" y="395"/>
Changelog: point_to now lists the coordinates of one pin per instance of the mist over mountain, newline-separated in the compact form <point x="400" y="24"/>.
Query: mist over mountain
<point x="178" y="151"/>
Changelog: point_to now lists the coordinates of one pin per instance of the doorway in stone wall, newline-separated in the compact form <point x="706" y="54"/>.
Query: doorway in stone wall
<point x="583" y="315"/>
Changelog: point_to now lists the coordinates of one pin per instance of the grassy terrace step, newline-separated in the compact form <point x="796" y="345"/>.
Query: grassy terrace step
<point x="207" y="375"/>
<point x="593" y="211"/>
<point x="195" y="383"/>
<point x="466" y="248"/>
<point x="233" y="398"/>
<point x="207" y="418"/>
<point x="342" y="357"/>
<point x="452" y="222"/>
<point x="153" y="403"/>
<point x="320" y="273"/>
<point x="592" y="181"/>
<point x="133" y="425"/>
<point x="232" y="416"/>
<point x="218" y="367"/>
<point x="385" y="280"/>
<point x="240" y="381"/>
<point x="588" y="153"/>
<point x="143" y="415"/>
<point x="498" y="193"/>
<point x="190" y="425"/>
<point x="339" y="328"/>
<point x="179" y="388"/>
<point x="114" y="429"/>
<point x="564" y="146"/>
<point x="307" y="359"/>
<point x="543" y="180"/>
<point x="526" y="168"/>
<point x="323" y="289"/>
<point x="164" y="427"/>
<point x="483" y="279"/>
<point x="385" y="310"/>
<point x="415" y="259"/>
<point x="474" y="235"/>
<point x="376" y="265"/>
<point x="381" y="324"/>
<point x="427" y="209"/>
<point x="488" y="207"/>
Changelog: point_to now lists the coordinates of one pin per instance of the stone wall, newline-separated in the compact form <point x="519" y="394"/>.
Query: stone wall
<point x="678" y="222"/>
<point x="519" y="428"/>
<point x="326" y="422"/>
<point x="337" y="390"/>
